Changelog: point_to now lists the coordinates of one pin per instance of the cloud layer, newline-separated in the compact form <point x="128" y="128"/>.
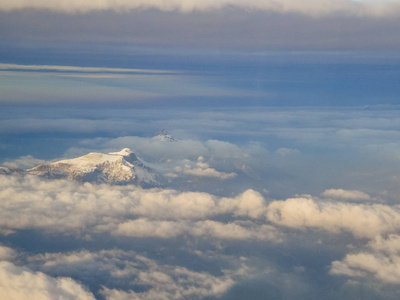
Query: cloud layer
<point x="314" y="8"/>
<point x="66" y="207"/>
<point x="199" y="225"/>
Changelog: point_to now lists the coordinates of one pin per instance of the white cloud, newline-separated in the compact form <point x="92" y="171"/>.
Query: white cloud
<point x="202" y="169"/>
<point x="249" y="203"/>
<point x="390" y="244"/>
<point x="311" y="7"/>
<point x="21" y="283"/>
<point x="7" y="253"/>
<point x="346" y="194"/>
<point x="79" y="69"/>
<point x="238" y="230"/>
<point x="383" y="268"/>
<point x="147" y="228"/>
<point x="61" y="206"/>
<point x="169" y="282"/>
<point x="380" y="261"/>
<point x="362" y="220"/>
<point x="235" y="231"/>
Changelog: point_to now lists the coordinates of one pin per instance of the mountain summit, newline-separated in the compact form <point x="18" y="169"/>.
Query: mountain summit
<point x="121" y="167"/>
<point x="164" y="136"/>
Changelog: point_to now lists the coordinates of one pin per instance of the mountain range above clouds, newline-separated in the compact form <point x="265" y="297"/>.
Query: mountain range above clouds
<point x="119" y="168"/>
<point x="122" y="167"/>
<point x="163" y="162"/>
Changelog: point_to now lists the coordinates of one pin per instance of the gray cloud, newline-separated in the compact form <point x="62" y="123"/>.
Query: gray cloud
<point x="314" y="8"/>
<point x="218" y="31"/>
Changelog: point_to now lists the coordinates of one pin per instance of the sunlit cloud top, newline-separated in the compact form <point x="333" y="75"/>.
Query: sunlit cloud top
<point x="309" y="7"/>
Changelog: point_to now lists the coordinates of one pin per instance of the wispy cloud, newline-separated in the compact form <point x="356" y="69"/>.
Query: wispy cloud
<point x="15" y="67"/>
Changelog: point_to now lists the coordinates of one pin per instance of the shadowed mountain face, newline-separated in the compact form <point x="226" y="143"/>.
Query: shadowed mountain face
<point x="115" y="168"/>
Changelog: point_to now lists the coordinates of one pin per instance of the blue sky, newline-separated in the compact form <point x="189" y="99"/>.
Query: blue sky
<point x="283" y="183"/>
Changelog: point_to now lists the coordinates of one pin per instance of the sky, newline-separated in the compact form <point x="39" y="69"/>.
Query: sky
<point x="283" y="182"/>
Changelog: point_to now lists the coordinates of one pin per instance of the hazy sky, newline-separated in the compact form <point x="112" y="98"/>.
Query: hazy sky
<point x="283" y="183"/>
<point x="261" y="25"/>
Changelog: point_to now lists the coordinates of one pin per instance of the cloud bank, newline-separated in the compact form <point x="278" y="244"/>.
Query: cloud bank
<point x="313" y="8"/>
<point x="362" y="220"/>
<point x="69" y="208"/>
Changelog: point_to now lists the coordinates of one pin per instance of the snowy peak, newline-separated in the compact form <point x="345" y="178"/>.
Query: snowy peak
<point x="121" y="167"/>
<point x="163" y="136"/>
<point x="127" y="154"/>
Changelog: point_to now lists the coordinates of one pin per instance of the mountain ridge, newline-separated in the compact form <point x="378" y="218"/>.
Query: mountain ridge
<point x="119" y="168"/>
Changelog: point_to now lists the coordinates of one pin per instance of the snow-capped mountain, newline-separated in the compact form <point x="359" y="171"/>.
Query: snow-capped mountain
<point x="115" y="168"/>
<point x="163" y="136"/>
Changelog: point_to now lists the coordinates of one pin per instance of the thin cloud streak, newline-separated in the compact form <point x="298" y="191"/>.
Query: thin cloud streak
<point x="16" y="67"/>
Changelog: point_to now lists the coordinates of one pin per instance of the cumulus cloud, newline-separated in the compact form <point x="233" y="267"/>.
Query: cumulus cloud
<point x="314" y="7"/>
<point x="249" y="203"/>
<point x="389" y="245"/>
<point x="362" y="220"/>
<point x="379" y="261"/>
<point x="22" y="283"/>
<point x="369" y="265"/>
<point x="61" y="206"/>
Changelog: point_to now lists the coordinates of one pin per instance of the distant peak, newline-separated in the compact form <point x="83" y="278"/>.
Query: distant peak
<point x="162" y="132"/>
<point x="123" y="152"/>
<point x="163" y="136"/>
